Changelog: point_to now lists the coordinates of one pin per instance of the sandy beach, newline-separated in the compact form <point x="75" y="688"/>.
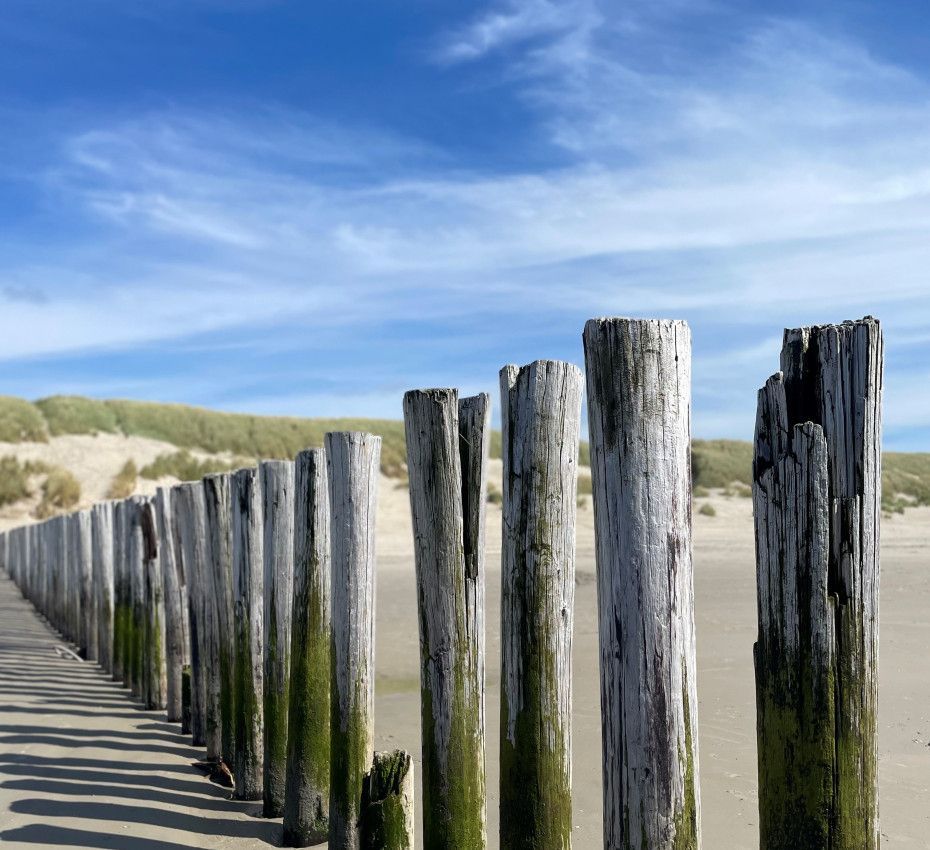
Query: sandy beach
<point x="82" y="766"/>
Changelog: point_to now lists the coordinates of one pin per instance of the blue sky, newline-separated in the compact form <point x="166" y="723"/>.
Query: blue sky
<point x="308" y="208"/>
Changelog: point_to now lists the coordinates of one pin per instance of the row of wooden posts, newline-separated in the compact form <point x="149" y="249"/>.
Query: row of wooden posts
<point x="244" y="605"/>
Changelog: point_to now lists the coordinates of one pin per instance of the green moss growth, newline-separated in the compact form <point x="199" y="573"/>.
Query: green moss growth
<point x="275" y="720"/>
<point x="385" y="823"/>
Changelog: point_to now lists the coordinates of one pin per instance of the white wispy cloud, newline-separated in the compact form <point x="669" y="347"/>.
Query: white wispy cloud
<point x="780" y="180"/>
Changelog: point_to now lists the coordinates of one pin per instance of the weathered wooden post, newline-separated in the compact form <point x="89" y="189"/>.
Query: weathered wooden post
<point x="83" y="552"/>
<point x="102" y="541"/>
<point x="120" y="590"/>
<point x="174" y="614"/>
<point x="247" y="530"/>
<point x="155" y="674"/>
<point x="639" y="411"/>
<point x="137" y="593"/>
<point x="386" y="821"/>
<point x="353" y="461"/>
<point x="541" y="418"/>
<point x="817" y="505"/>
<point x="447" y="447"/>
<point x="306" y="793"/>
<point x="187" y="502"/>
<point x="277" y="487"/>
<point x="216" y="490"/>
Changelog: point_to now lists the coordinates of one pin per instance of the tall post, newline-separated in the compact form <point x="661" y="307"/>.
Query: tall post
<point x="817" y="505"/>
<point x="447" y="446"/>
<point x="247" y="531"/>
<point x="102" y="541"/>
<point x="155" y="679"/>
<point x="277" y="486"/>
<point x="639" y="412"/>
<point x="306" y="793"/>
<point x="188" y="503"/>
<point x="83" y="546"/>
<point x="541" y="419"/>
<point x="137" y="595"/>
<point x="216" y="490"/>
<point x="353" y="461"/>
<point x="173" y="597"/>
<point x="387" y="821"/>
<point x="120" y="590"/>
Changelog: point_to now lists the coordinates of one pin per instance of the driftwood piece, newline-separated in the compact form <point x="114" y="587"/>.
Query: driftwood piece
<point x="247" y="533"/>
<point x="306" y="795"/>
<point x="353" y="461"/>
<point x="446" y="461"/>
<point x="639" y="409"/>
<point x="541" y="418"/>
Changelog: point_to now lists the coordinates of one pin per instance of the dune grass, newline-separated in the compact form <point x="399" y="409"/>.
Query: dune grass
<point x="60" y="492"/>
<point x="185" y="467"/>
<point x="123" y="484"/>
<point x="14" y="481"/>
<point x="21" y="422"/>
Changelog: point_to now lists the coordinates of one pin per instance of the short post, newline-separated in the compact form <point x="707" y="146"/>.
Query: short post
<point x="216" y="489"/>
<point x="306" y="793"/>
<point x="353" y="461"/>
<point x="187" y="503"/>
<point x="387" y="821"/>
<point x="102" y="541"/>
<point x="541" y="418"/>
<point x="174" y="615"/>
<point x="639" y="411"/>
<point x="277" y="486"/>
<point x="155" y="678"/>
<point x="447" y="446"/>
<point x="247" y="531"/>
<point x="817" y="505"/>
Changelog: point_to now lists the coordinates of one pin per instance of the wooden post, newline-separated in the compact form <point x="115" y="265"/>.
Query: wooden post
<point x="120" y="590"/>
<point x="83" y="551"/>
<point x="541" y="418"/>
<point x="174" y="612"/>
<point x="447" y="445"/>
<point x="306" y="793"/>
<point x="639" y="410"/>
<point x="817" y="504"/>
<point x="155" y="677"/>
<point x="137" y="593"/>
<point x="216" y="490"/>
<point x="387" y="821"/>
<point x="102" y="541"/>
<point x="277" y="486"/>
<point x="247" y="586"/>
<point x="186" y="699"/>
<point x="187" y="503"/>
<point x="353" y="461"/>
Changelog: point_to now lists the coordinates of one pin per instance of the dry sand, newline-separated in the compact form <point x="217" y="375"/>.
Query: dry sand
<point x="80" y="766"/>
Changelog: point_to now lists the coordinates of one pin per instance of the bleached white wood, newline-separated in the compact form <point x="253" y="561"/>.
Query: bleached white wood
<point x="541" y="420"/>
<point x="639" y="416"/>
<point x="353" y="461"/>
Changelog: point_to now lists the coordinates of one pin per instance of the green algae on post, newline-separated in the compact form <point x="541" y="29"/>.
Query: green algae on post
<point x="387" y="815"/>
